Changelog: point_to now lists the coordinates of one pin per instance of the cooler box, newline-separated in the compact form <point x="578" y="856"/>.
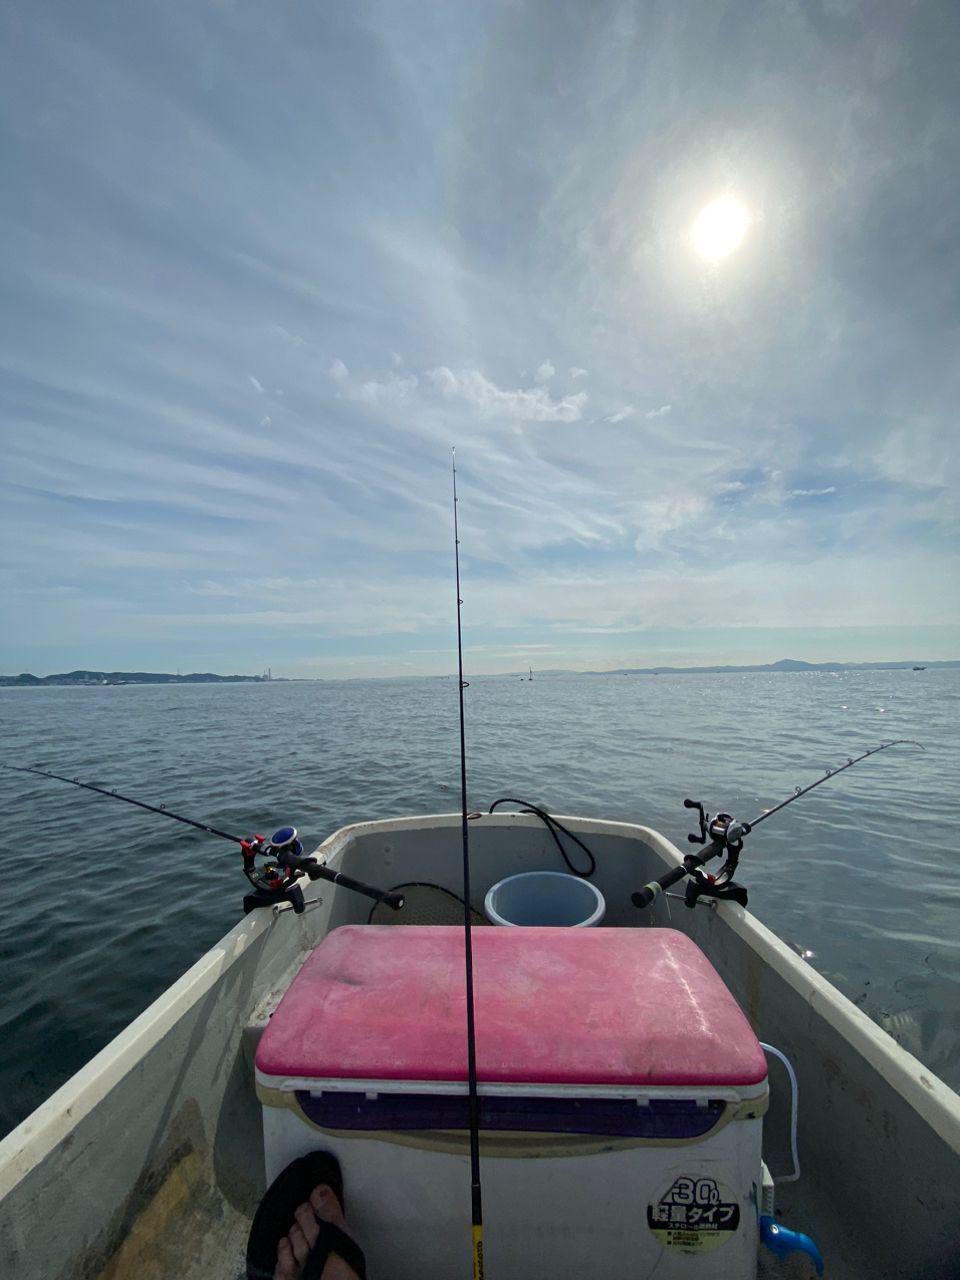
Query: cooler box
<point x="621" y="1094"/>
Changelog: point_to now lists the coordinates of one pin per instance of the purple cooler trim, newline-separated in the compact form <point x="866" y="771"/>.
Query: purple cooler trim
<point x="660" y="1118"/>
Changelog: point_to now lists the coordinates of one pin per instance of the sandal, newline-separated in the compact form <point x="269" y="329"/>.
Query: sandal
<point x="275" y="1216"/>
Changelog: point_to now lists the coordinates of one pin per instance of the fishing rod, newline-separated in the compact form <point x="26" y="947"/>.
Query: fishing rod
<point x="725" y="835"/>
<point x="276" y="880"/>
<point x="476" y="1199"/>
<point x="830" y="773"/>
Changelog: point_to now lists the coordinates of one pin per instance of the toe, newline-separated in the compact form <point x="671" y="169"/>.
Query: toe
<point x="307" y="1222"/>
<point x="287" y="1268"/>
<point x="326" y="1206"/>
<point x="298" y="1243"/>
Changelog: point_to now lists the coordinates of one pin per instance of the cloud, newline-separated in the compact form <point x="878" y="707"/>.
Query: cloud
<point x="658" y="413"/>
<point x="257" y="386"/>
<point x="665" y="514"/>
<point x="576" y="372"/>
<point x="392" y="390"/>
<point x="545" y="372"/>
<point x="620" y="414"/>
<point x="922" y="453"/>
<point x="813" y="493"/>
<point x="478" y="391"/>
<point x="293" y="339"/>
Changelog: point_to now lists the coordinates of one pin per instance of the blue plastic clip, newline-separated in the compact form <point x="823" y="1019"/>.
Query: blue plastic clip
<point x="781" y="1240"/>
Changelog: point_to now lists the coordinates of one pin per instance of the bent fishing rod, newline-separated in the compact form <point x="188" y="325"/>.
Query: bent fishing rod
<point x="276" y="880"/>
<point x="725" y="835"/>
<point x="476" y="1197"/>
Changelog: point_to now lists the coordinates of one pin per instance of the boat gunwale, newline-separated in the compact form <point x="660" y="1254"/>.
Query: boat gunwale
<point x="37" y="1135"/>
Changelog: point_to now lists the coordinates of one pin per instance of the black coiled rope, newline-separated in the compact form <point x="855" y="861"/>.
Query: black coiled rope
<point x="553" y="826"/>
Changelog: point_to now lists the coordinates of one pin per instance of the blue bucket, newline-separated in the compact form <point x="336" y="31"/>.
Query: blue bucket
<point x="545" y="898"/>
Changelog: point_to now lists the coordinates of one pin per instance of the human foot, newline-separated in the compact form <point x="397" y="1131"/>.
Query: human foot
<point x="296" y="1246"/>
<point x="299" y="1231"/>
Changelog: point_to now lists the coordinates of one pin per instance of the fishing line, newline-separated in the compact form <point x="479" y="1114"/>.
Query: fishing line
<point x="476" y="1200"/>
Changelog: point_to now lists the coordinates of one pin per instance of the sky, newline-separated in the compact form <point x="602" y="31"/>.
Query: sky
<point x="680" y="281"/>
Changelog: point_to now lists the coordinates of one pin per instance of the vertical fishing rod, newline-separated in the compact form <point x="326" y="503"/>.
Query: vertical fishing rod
<point x="474" y="1101"/>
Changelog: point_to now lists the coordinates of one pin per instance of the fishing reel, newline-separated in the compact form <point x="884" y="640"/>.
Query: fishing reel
<point x="722" y="828"/>
<point x="276" y="880"/>
<point x="725" y="835"/>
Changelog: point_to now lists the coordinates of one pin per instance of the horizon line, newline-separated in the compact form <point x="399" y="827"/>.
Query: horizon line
<point x="707" y="668"/>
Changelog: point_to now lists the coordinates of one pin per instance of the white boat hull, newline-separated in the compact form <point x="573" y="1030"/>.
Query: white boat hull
<point x="149" y="1162"/>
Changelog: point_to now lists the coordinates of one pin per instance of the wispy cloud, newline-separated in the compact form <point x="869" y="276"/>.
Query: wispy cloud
<point x="534" y="404"/>
<point x="392" y="390"/>
<point x="659" y="516"/>
<point x="470" y="387"/>
<point x="294" y="339"/>
<point x="921" y="452"/>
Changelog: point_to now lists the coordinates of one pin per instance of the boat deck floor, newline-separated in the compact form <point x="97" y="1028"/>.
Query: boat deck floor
<point x="208" y="1242"/>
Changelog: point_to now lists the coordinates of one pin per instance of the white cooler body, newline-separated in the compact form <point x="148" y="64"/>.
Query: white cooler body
<point x="610" y="1213"/>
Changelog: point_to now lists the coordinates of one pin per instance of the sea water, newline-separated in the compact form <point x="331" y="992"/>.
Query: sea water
<point x="104" y="905"/>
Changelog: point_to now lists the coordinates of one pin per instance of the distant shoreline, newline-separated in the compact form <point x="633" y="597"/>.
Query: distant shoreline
<point x="784" y="665"/>
<point x="102" y="679"/>
<point x="99" y="679"/>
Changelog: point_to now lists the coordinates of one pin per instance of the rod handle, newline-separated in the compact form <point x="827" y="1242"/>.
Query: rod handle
<point x="643" y="897"/>
<point x="318" y="871"/>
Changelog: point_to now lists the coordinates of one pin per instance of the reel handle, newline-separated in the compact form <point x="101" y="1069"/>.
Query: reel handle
<point x="695" y="838"/>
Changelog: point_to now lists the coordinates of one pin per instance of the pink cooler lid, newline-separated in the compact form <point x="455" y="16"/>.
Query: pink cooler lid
<point x="553" y="1006"/>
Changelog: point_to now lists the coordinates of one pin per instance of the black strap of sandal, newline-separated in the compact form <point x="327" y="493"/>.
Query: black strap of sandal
<point x="332" y="1240"/>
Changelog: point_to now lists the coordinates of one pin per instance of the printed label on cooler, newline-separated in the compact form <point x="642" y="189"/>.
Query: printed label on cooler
<point x="694" y="1215"/>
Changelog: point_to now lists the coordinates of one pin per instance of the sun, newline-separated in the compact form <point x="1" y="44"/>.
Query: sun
<point x="720" y="228"/>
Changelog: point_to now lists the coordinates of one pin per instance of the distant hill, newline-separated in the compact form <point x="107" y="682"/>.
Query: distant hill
<point x="785" y="664"/>
<point x="97" y="678"/>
